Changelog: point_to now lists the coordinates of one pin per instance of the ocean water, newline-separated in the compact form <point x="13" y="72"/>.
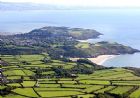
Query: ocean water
<point x="117" y="25"/>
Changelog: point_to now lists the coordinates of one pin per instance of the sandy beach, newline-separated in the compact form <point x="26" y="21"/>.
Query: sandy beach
<point x="98" y="60"/>
<point x="101" y="59"/>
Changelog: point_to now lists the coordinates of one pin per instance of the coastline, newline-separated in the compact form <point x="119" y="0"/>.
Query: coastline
<point x="99" y="59"/>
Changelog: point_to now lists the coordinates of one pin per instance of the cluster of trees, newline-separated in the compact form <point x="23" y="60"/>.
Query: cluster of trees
<point x="80" y="68"/>
<point x="95" y="66"/>
<point x="25" y="63"/>
<point x="15" y="50"/>
<point x="66" y="51"/>
<point x="47" y="60"/>
<point x="61" y="72"/>
<point x="6" y="90"/>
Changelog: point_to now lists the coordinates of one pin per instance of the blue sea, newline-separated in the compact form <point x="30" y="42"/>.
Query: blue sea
<point x="117" y="25"/>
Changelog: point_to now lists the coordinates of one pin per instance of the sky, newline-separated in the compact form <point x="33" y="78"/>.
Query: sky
<point x="96" y="3"/>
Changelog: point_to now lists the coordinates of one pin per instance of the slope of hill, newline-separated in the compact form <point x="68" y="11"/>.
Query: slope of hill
<point x="60" y="41"/>
<point x="37" y="76"/>
<point x="75" y="33"/>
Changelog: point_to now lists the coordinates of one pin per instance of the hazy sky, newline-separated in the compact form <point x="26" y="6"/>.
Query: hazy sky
<point x="96" y="3"/>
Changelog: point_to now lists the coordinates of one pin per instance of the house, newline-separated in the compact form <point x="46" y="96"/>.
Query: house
<point x="73" y="76"/>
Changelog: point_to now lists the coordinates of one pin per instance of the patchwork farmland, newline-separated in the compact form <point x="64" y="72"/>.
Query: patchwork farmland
<point x="27" y="76"/>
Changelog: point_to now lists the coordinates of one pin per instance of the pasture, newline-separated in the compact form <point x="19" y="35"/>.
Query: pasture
<point x="117" y="81"/>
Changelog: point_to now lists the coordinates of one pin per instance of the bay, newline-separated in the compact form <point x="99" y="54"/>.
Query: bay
<point x="117" y="25"/>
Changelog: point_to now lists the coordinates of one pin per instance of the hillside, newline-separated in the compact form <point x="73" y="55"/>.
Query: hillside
<point x="60" y="41"/>
<point x="104" y="47"/>
<point x="34" y="76"/>
<point x="37" y="64"/>
<point x="75" y="33"/>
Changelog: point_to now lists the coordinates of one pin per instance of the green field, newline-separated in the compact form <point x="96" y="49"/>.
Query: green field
<point x="121" y="89"/>
<point x="22" y="70"/>
<point x="135" y="94"/>
<point x="29" y="92"/>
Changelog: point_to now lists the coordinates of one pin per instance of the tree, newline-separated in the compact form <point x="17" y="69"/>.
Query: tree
<point x="22" y="78"/>
<point x="46" y="60"/>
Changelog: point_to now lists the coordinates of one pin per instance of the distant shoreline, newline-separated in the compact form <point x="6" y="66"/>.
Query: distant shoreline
<point x="99" y="59"/>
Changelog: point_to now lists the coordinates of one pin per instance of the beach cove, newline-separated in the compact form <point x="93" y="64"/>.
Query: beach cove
<point x="112" y="23"/>
<point x="97" y="60"/>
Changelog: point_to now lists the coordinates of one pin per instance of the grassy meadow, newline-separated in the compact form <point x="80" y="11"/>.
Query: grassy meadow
<point x="113" y="82"/>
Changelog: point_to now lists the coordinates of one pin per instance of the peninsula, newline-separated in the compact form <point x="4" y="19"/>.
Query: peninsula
<point x="61" y="41"/>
